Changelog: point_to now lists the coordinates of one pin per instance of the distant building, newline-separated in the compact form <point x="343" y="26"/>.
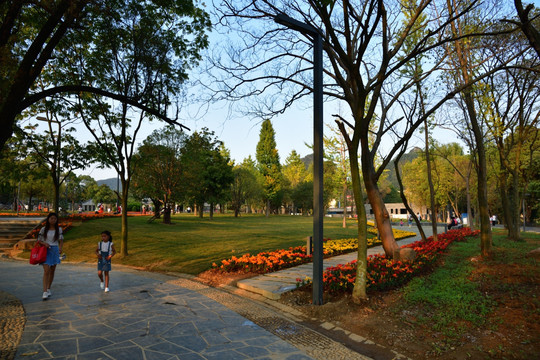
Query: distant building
<point x="88" y="206"/>
<point x="396" y="211"/>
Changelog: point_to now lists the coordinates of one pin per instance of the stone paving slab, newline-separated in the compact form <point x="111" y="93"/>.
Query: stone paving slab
<point x="144" y="316"/>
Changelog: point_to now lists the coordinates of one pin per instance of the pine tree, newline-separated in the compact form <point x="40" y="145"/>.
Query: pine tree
<point x="269" y="166"/>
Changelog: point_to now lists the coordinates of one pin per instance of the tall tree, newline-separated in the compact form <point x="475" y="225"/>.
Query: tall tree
<point x="460" y="52"/>
<point x="526" y="23"/>
<point x="158" y="168"/>
<point x="207" y="174"/>
<point x="57" y="150"/>
<point x="294" y="173"/>
<point x="142" y="51"/>
<point x="36" y="34"/>
<point x="364" y="46"/>
<point x="413" y="70"/>
<point x="269" y="165"/>
<point x="244" y="188"/>
<point x="512" y="115"/>
<point x="335" y="150"/>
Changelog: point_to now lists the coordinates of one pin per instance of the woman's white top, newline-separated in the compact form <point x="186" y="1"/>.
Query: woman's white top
<point x="49" y="238"/>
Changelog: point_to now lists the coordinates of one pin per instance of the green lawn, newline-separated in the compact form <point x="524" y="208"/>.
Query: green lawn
<point x="451" y="299"/>
<point x="192" y="244"/>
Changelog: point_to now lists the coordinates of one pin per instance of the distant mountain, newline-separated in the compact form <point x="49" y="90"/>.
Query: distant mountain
<point x="406" y="158"/>
<point x="307" y="160"/>
<point x="112" y="183"/>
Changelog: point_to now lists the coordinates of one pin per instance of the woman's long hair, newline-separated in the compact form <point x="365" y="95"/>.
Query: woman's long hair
<point x="48" y="225"/>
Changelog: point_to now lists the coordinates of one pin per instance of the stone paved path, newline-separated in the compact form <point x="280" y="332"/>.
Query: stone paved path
<point x="151" y="316"/>
<point x="145" y="316"/>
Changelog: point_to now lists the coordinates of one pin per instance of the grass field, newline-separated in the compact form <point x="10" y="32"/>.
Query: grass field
<point x="190" y="245"/>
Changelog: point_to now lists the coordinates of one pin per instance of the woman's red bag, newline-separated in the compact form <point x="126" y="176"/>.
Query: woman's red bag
<point x="38" y="255"/>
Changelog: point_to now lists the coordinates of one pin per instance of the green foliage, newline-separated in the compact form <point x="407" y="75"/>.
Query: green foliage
<point x="392" y="196"/>
<point x="448" y="296"/>
<point x="100" y="194"/>
<point x="295" y="176"/>
<point x="134" y="206"/>
<point x="207" y="174"/>
<point x="448" y="169"/>
<point x="245" y="187"/>
<point x="269" y="165"/>
<point x="157" y="168"/>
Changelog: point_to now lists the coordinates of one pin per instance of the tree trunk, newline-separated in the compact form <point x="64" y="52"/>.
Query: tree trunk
<point x="211" y="211"/>
<point x="56" y="185"/>
<point x="485" y="226"/>
<point x="344" y="206"/>
<point x="359" y="292"/>
<point x="514" y="208"/>
<point x="382" y="218"/>
<point x="124" y="239"/>
<point x="470" y="218"/>
<point x="431" y="188"/>
<point x="268" y="208"/>
<point x="404" y="198"/>
<point x="167" y="214"/>
<point x="200" y="209"/>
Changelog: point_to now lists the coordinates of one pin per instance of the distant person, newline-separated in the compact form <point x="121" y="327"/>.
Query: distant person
<point x="105" y="251"/>
<point x="401" y="222"/>
<point x="51" y="237"/>
<point x="410" y="220"/>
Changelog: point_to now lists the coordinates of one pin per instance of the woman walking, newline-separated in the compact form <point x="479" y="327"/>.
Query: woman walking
<point x="51" y="237"/>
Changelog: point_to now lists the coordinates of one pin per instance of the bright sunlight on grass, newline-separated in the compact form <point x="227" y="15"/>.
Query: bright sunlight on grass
<point x="448" y="297"/>
<point x="192" y="244"/>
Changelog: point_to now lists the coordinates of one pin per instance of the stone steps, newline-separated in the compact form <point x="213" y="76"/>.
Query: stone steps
<point x="14" y="229"/>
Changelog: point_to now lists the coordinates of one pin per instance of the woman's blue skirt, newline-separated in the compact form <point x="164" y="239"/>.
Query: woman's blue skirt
<point x="53" y="256"/>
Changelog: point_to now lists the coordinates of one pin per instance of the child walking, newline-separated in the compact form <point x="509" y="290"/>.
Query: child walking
<point x="105" y="251"/>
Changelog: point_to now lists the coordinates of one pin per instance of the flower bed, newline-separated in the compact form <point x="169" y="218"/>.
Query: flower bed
<point x="398" y="234"/>
<point x="23" y="214"/>
<point x="89" y="216"/>
<point x="265" y="262"/>
<point x="383" y="273"/>
<point x="281" y="259"/>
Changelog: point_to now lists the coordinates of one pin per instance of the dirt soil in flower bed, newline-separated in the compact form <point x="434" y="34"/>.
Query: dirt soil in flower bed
<point x="512" y="330"/>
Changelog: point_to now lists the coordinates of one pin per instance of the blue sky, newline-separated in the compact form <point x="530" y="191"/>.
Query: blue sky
<point x="240" y="134"/>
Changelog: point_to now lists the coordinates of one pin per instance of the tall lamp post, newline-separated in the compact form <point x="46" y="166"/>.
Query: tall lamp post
<point x="310" y="31"/>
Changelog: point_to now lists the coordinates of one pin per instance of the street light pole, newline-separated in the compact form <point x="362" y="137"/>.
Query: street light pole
<point x="317" y="150"/>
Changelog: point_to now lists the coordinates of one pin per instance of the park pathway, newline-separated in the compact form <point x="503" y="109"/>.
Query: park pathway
<point x="146" y="316"/>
